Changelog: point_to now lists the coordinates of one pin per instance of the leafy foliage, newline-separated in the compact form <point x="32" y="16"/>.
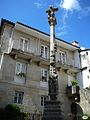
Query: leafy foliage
<point x="11" y="112"/>
<point x="74" y="82"/>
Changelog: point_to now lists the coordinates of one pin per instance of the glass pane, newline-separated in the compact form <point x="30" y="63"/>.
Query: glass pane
<point x="44" y="98"/>
<point x="42" y="76"/>
<point x="60" y="57"/>
<point x="26" y="45"/>
<point x="18" y="97"/>
<point x="63" y="57"/>
<point x="15" y="99"/>
<point x="45" y="52"/>
<point x="23" y="68"/>
<point x="21" y="44"/>
<point x="45" y="75"/>
<point x="42" y="101"/>
<point x="42" y="51"/>
<point x="18" y="68"/>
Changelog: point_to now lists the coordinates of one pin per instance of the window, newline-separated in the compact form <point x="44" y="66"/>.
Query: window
<point x="20" y="73"/>
<point x="20" y="68"/>
<point x="62" y="57"/>
<point x="44" y="75"/>
<point x="88" y="76"/>
<point x="44" y="51"/>
<point x="86" y="53"/>
<point x="43" y="99"/>
<point x="18" y="98"/>
<point x="23" y="44"/>
<point x="83" y="57"/>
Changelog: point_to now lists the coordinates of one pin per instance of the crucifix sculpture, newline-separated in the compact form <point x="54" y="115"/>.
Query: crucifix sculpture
<point x="53" y="85"/>
<point x="52" y="108"/>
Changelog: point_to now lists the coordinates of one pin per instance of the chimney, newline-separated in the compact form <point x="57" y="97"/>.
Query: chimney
<point x="75" y="43"/>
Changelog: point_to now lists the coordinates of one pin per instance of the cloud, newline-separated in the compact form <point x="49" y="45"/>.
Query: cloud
<point x="38" y="5"/>
<point x="65" y="16"/>
<point x="68" y="8"/>
<point x="59" y="34"/>
<point x="42" y="4"/>
<point x="62" y="30"/>
<point x="70" y="5"/>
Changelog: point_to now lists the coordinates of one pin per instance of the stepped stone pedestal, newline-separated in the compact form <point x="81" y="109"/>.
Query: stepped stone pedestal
<point x="52" y="111"/>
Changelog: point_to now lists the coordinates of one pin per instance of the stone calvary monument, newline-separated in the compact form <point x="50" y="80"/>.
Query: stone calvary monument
<point x="52" y="109"/>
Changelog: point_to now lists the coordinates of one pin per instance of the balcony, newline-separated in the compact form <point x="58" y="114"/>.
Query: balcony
<point x="29" y="57"/>
<point x="68" y="66"/>
<point x="73" y="92"/>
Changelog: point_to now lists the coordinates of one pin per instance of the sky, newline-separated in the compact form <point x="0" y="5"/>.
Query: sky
<point x="73" y="17"/>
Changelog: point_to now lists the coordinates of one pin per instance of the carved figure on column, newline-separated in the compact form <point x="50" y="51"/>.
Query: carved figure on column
<point x="53" y="88"/>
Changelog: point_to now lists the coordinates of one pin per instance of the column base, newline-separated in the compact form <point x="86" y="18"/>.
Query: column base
<point x="52" y="111"/>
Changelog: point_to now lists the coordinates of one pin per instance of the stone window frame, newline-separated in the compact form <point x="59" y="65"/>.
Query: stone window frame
<point x="43" y="99"/>
<point x="62" y="57"/>
<point x="22" y="47"/>
<point x="18" y="98"/>
<point x="44" y="75"/>
<point x="44" y="50"/>
<point x="20" y="68"/>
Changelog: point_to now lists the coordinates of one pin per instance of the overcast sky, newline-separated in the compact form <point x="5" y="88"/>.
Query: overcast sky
<point x="73" y="17"/>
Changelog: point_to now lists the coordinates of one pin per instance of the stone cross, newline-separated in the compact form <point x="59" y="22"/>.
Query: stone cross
<point x="53" y="85"/>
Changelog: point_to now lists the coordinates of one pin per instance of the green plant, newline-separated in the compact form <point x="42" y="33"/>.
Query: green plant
<point x="74" y="82"/>
<point x="12" y="112"/>
<point x="23" y="115"/>
<point x="21" y="74"/>
<point x="12" y="107"/>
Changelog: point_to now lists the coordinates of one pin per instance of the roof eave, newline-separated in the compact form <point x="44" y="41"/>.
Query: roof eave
<point x="39" y="34"/>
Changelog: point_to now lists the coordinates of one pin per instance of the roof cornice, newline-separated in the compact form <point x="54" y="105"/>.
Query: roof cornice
<point x="11" y="23"/>
<point x="7" y="21"/>
<point x="48" y="35"/>
<point x="85" y="50"/>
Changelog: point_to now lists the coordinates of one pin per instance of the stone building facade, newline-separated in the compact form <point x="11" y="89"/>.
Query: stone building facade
<point x="85" y="101"/>
<point x="85" y="64"/>
<point x="24" y="67"/>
